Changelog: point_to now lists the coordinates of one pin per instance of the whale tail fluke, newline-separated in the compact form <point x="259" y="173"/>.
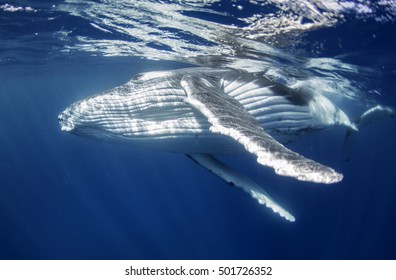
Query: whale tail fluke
<point x="374" y="115"/>
<point x="369" y="117"/>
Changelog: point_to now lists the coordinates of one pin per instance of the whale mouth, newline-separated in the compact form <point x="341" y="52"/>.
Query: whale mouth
<point x="65" y="121"/>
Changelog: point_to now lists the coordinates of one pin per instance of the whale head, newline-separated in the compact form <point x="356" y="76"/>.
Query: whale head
<point x="133" y="112"/>
<point x="101" y="116"/>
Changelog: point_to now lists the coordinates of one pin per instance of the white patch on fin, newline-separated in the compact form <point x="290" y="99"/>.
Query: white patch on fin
<point x="239" y="180"/>
<point x="369" y="117"/>
<point x="228" y="117"/>
<point x="373" y="115"/>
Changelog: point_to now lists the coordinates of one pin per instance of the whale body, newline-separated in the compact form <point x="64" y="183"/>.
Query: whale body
<point x="203" y="112"/>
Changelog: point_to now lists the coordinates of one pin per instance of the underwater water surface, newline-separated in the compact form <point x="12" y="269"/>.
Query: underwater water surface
<point x="65" y="197"/>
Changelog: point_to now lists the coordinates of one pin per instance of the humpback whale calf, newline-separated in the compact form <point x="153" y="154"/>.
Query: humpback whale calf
<point x="202" y="112"/>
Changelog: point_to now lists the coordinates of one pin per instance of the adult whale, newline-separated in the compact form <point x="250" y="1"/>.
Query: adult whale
<point x="202" y="112"/>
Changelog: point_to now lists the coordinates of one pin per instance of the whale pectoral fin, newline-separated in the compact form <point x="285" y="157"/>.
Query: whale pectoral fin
<point x="228" y="117"/>
<point x="239" y="180"/>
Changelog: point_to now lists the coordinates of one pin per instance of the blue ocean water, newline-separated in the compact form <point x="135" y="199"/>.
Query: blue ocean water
<point x="65" y="197"/>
